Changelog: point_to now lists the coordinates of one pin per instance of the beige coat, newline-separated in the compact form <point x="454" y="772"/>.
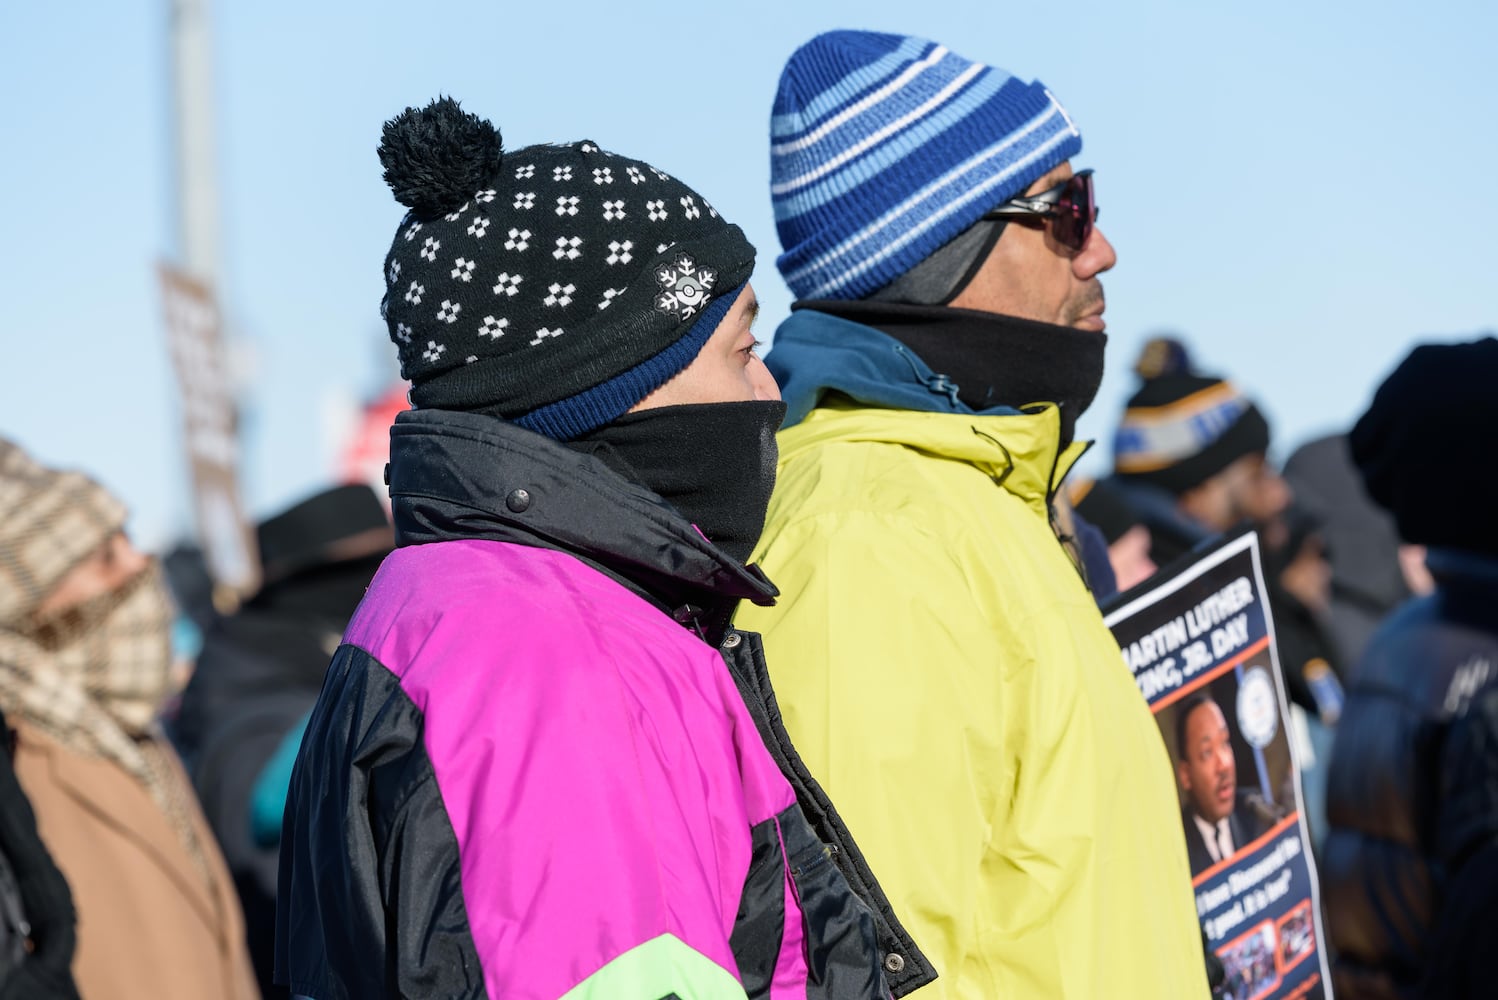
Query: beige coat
<point x="150" y="925"/>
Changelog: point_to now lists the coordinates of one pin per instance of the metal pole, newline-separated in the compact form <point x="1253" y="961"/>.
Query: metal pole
<point x="197" y="167"/>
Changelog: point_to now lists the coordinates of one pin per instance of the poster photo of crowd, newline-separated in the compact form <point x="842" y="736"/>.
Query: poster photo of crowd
<point x="1199" y="641"/>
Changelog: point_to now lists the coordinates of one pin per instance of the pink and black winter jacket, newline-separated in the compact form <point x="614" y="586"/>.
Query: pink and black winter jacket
<point x="526" y="777"/>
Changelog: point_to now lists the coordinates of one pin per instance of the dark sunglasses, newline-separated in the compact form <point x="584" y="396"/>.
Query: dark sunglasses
<point x="1070" y="206"/>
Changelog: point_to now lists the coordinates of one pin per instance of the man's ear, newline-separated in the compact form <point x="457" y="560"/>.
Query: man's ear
<point x="1183" y="774"/>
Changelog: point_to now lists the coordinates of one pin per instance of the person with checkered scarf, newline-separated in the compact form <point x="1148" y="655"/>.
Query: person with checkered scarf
<point x="85" y="665"/>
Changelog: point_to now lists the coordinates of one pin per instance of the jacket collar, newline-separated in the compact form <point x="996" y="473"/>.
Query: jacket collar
<point x="844" y="381"/>
<point x="470" y="476"/>
<point x="815" y="353"/>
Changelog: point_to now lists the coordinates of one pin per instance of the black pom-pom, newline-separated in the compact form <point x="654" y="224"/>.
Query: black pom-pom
<point x="437" y="157"/>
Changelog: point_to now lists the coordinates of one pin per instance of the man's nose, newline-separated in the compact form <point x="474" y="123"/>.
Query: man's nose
<point x="1097" y="255"/>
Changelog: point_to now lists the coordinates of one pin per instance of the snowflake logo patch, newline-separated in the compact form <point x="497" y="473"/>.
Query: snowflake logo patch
<point x="619" y="253"/>
<point x="463" y="270"/>
<point x="493" y="328"/>
<point x="567" y="246"/>
<point x="519" y="240"/>
<point x="434" y="351"/>
<point x="684" y="287"/>
<point x="479" y="226"/>
<point x="508" y="284"/>
<point x="449" y="311"/>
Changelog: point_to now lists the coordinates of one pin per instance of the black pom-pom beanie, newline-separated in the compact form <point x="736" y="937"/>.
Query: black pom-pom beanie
<point x="554" y="286"/>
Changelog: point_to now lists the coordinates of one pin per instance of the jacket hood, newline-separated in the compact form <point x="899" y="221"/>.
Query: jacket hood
<point x="465" y="476"/>
<point x="815" y="353"/>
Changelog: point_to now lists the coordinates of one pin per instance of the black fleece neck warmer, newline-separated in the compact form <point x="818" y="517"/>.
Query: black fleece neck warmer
<point x="995" y="360"/>
<point x="713" y="462"/>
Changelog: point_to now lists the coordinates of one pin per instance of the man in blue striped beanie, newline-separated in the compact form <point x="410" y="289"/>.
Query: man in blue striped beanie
<point x="939" y="659"/>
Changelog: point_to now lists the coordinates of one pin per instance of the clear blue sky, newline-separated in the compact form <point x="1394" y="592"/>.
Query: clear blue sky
<point x="1300" y="189"/>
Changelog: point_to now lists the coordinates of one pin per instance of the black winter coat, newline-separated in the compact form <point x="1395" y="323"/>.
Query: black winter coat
<point x="1403" y="809"/>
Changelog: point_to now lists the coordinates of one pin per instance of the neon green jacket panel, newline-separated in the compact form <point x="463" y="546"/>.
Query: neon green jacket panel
<point x="945" y="673"/>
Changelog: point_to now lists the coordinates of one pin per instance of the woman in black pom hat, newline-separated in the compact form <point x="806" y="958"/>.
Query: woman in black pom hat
<point x="542" y="762"/>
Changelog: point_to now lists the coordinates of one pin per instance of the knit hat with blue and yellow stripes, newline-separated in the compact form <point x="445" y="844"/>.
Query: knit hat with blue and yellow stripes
<point x="1181" y="429"/>
<point x="885" y="147"/>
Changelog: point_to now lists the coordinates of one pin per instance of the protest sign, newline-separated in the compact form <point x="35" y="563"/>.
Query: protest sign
<point x="1199" y="641"/>
<point x="210" y="434"/>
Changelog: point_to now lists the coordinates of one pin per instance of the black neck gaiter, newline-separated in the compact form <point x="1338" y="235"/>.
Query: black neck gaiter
<point x="995" y="360"/>
<point x="713" y="462"/>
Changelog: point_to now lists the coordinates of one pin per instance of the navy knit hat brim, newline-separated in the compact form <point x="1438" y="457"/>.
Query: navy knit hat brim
<point x="606" y="402"/>
<point x="885" y="148"/>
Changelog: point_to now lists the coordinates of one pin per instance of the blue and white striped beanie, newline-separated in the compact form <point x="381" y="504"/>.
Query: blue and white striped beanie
<point x="885" y="147"/>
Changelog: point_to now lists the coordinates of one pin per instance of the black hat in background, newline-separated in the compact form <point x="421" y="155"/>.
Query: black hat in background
<point x="1104" y="504"/>
<point x="340" y="524"/>
<point x="1422" y="446"/>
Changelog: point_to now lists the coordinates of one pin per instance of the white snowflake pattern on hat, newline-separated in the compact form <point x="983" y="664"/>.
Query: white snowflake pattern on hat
<point x="559" y="295"/>
<point x="619" y="252"/>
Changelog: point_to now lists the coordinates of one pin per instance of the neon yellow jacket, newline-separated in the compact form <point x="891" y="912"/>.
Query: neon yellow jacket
<point x="945" y="673"/>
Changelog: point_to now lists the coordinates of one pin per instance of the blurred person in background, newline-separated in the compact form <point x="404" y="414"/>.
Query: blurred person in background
<point x="37" y="921"/>
<point x="257" y="677"/>
<point x="938" y="653"/>
<point x="85" y="665"/>
<point x="1104" y="505"/>
<point x="542" y="762"/>
<point x="1413" y="786"/>
<point x="1372" y="572"/>
<point x="1191" y="455"/>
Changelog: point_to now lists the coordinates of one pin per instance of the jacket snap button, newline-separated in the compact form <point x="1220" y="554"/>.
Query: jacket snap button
<point x="894" y="963"/>
<point x="518" y="500"/>
<point x="731" y="640"/>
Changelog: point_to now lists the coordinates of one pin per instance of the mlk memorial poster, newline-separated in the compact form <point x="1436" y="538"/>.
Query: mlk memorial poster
<point x="1199" y="641"/>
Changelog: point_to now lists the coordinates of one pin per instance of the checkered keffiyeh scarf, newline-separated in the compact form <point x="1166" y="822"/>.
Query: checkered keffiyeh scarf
<point x="94" y="676"/>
